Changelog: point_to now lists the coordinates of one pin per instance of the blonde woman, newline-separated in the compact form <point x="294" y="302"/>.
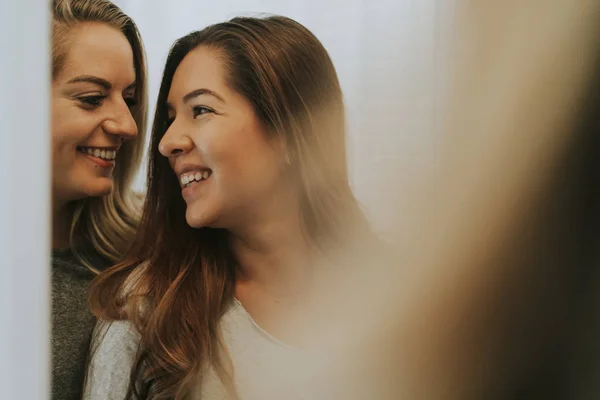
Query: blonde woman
<point x="98" y="122"/>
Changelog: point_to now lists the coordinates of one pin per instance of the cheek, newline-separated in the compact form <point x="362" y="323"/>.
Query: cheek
<point x="248" y="166"/>
<point x="233" y="155"/>
<point x="71" y="128"/>
<point x="245" y="162"/>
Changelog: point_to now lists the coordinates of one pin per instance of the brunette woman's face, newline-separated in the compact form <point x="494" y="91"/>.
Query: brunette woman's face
<point x="91" y="99"/>
<point x="228" y="167"/>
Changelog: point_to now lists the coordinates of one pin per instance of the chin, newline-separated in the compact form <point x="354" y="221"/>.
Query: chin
<point x="100" y="188"/>
<point x="200" y="219"/>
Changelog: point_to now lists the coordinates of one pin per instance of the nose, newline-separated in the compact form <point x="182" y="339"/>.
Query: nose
<point x="121" y="123"/>
<point x="175" y="142"/>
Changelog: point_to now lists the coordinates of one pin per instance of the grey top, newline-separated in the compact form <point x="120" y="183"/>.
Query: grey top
<point x="72" y="323"/>
<point x="264" y="368"/>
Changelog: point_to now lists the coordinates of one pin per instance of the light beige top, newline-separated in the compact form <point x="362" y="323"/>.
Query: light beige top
<point x="264" y="367"/>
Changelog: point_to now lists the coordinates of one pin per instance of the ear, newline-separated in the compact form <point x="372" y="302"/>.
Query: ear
<point x="288" y="155"/>
<point x="288" y="158"/>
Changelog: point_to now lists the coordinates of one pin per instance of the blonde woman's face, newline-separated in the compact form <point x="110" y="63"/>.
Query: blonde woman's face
<point x="91" y="99"/>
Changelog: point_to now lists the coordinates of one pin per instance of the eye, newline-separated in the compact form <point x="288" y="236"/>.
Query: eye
<point x="131" y="102"/>
<point x="170" y="120"/>
<point x="91" y="101"/>
<point x="200" y="110"/>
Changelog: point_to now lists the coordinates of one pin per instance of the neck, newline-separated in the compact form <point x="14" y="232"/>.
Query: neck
<point x="274" y="254"/>
<point x="61" y="225"/>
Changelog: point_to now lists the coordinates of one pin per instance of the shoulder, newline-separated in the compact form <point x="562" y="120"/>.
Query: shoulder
<point x="112" y="354"/>
<point x="115" y="335"/>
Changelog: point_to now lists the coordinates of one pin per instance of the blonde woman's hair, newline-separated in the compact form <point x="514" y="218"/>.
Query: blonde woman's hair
<point x="105" y="225"/>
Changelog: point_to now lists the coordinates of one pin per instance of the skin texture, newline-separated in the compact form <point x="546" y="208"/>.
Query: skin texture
<point x="87" y="114"/>
<point x="221" y="133"/>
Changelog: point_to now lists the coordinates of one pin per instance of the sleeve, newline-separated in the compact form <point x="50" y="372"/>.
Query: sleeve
<point x="112" y="354"/>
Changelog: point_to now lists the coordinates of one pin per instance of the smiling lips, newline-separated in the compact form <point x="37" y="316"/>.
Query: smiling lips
<point x="108" y="154"/>
<point x="103" y="157"/>
<point x="188" y="178"/>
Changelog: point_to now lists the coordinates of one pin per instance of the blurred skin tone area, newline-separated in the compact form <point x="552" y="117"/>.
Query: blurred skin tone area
<point x="475" y="297"/>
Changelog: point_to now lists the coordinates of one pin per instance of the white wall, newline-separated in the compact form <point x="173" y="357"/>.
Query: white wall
<point x="387" y="56"/>
<point x="24" y="200"/>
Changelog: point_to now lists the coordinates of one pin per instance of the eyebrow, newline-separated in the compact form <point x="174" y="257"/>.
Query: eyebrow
<point x="198" y="92"/>
<point x="97" y="81"/>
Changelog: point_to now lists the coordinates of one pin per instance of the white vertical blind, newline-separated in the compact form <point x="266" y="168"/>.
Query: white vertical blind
<point x="24" y="200"/>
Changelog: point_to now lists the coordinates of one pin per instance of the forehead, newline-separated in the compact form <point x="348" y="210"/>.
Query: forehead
<point x="101" y="50"/>
<point x="200" y="68"/>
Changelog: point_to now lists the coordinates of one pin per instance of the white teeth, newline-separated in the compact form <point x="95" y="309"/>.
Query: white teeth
<point x="100" y="153"/>
<point x="187" y="178"/>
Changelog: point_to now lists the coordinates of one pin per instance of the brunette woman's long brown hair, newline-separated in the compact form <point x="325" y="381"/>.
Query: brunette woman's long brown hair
<point x="185" y="277"/>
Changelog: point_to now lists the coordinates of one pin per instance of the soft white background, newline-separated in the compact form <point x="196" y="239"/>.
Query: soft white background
<point x="389" y="55"/>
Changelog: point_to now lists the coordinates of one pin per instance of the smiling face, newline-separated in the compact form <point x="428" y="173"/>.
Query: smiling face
<point x="227" y="165"/>
<point x="91" y="99"/>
